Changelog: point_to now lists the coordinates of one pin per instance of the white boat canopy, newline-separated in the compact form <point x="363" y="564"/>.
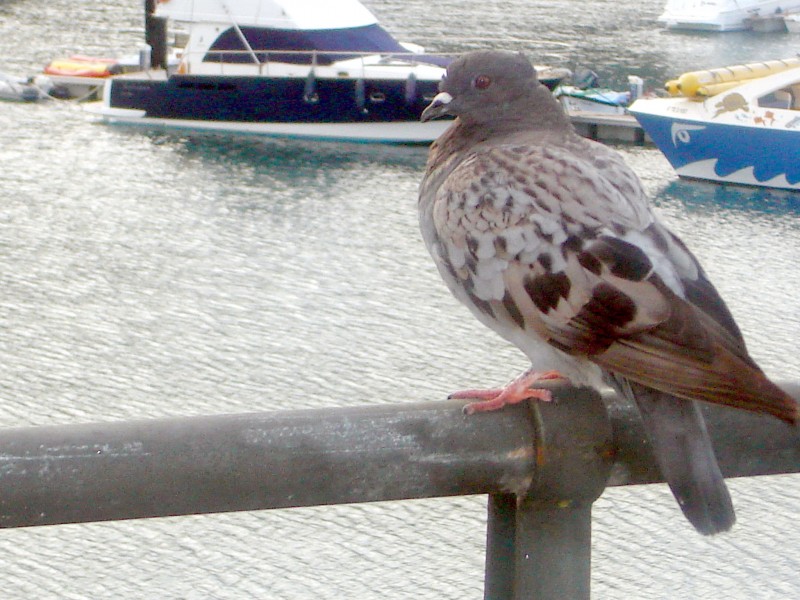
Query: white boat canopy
<point x="257" y="31"/>
<point x="273" y="14"/>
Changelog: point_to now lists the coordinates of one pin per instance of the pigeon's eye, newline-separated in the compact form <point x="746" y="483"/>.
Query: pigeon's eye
<point x="482" y="82"/>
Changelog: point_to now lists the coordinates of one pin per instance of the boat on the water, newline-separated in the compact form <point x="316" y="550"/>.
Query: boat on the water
<point x="584" y="94"/>
<point x="596" y="100"/>
<point x="82" y="78"/>
<point x="722" y="15"/>
<point x="792" y="22"/>
<point x="321" y="69"/>
<point x="731" y="125"/>
<point x="20" y="89"/>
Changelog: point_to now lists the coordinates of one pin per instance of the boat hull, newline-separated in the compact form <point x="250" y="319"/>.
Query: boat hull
<point x="383" y="110"/>
<point x="407" y="132"/>
<point x="747" y="153"/>
<point x="594" y="101"/>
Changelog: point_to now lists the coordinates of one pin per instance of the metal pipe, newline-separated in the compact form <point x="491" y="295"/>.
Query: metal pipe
<point x="746" y="444"/>
<point x="107" y="471"/>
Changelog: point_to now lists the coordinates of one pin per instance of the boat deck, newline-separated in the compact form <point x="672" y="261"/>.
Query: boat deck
<point x="609" y="128"/>
<point x="602" y="127"/>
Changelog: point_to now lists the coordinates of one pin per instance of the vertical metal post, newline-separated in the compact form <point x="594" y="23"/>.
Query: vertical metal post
<point x="535" y="552"/>
<point x="500" y="547"/>
<point x="553" y="552"/>
<point x="539" y="541"/>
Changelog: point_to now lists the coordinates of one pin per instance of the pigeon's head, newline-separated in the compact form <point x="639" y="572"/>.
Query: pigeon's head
<point x="485" y="86"/>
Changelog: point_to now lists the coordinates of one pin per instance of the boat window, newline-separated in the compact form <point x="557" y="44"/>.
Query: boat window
<point x="228" y="47"/>
<point x="268" y="43"/>
<point x="223" y="86"/>
<point x="777" y="99"/>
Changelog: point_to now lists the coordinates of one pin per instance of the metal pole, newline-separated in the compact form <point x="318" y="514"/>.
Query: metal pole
<point x="194" y="465"/>
<point x="535" y="552"/>
<point x="501" y="527"/>
<point x="164" y="467"/>
<point x="554" y="552"/>
<point x="539" y="541"/>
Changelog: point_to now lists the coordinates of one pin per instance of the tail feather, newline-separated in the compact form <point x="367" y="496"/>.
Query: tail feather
<point x="683" y="449"/>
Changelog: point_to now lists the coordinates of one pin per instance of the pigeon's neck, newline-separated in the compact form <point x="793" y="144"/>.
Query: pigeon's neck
<point x="536" y="118"/>
<point x="536" y="110"/>
<point x="545" y="127"/>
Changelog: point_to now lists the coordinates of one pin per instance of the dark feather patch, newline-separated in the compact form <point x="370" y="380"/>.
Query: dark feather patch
<point x="599" y="319"/>
<point x="482" y="305"/>
<point x="608" y="307"/>
<point x="546" y="237"/>
<point x="546" y="261"/>
<point x="587" y="232"/>
<point x="572" y="244"/>
<point x="590" y="262"/>
<point x="500" y="245"/>
<point x="546" y="290"/>
<point x="471" y="263"/>
<point x="513" y="310"/>
<point x="623" y="259"/>
<point x="472" y="245"/>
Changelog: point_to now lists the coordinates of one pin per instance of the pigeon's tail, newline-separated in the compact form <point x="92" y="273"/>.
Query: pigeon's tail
<point x="684" y="453"/>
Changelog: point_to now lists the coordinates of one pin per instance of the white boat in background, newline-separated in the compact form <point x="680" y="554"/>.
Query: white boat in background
<point x="321" y="69"/>
<point x="585" y="95"/>
<point x="20" y="89"/>
<point x="792" y="22"/>
<point x="721" y="15"/>
<point x="729" y="127"/>
<point x="593" y="100"/>
<point x="774" y="23"/>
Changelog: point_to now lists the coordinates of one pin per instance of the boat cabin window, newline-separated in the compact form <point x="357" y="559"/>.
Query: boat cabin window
<point x="268" y="44"/>
<point x="784" y="99"/>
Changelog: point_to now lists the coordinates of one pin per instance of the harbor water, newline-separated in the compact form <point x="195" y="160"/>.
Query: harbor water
<point x="146" y="274"/>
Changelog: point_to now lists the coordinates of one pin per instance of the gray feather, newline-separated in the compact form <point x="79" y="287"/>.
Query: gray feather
<point x="683" y="450"/>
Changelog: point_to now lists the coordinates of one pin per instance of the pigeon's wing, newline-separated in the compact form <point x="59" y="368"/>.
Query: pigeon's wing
<point x="538" y="238"/>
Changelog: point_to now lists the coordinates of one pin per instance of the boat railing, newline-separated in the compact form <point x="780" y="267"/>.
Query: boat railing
<point x="542" y="465"/>
<point x="263" y="59"/>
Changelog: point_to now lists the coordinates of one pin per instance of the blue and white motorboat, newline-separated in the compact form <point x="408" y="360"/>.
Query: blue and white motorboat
<point x="322" y="69"/>
<point x="742" y="131"/>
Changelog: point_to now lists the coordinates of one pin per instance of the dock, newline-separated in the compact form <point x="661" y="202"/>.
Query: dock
<point x="604" y="127"/>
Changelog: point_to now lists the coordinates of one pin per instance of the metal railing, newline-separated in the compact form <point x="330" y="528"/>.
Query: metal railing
<point x="543" y="465"/>
<point x="312" y="59"/>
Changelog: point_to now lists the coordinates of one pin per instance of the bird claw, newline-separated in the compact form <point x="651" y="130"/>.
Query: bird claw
<point x="516" y="391"/>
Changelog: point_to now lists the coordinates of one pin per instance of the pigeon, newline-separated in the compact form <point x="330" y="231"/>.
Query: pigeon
<point x="550" y="240"/>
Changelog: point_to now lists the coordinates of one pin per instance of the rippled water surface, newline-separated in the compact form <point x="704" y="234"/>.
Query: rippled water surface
<point x="145" y="274"/>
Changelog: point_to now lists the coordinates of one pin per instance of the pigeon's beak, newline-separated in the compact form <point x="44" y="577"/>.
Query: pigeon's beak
<point x="437" y="108"/>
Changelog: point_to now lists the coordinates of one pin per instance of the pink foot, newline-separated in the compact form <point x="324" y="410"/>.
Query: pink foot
<point x="516" y="391"/>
